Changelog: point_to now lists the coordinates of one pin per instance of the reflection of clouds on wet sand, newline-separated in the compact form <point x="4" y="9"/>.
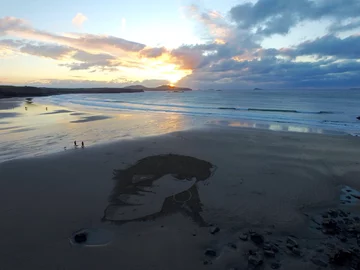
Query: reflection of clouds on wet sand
<point x="46" y="128"/>
<point x="157" y="186"/>
<point x="8" y="114"/>
<point x="91" y="118"/>
<point x="57" y="112"/>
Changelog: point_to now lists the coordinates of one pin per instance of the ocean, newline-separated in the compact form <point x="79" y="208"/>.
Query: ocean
<point x="51" y="124"/>
<point x="290" y="110"/>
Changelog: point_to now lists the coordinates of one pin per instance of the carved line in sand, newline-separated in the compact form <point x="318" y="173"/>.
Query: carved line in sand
<point x="157" y="186"/>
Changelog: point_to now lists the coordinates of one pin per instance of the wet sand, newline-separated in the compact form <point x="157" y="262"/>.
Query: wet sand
<point x="186" y="200"/>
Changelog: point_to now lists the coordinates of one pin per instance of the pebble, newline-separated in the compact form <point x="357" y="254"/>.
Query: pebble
<point x="269" y="253"/>
<point x="210" y="253"/>
<point x="267" y="246"/>
<point x="333" y="213"/>
<point x="244" y="237"/>
<point x="340" y="257"/>
<point x="256" y="238"/>
<point x="80" y="238"/>
<point x="342" y="213"/>
<point x="292" y="242"/>
<point x="296" y="251"/>
<point x="255" y="259"/>
<point x="232" y="245"/>
<point x="342" y="238"/>
<point x="214" y="230"/>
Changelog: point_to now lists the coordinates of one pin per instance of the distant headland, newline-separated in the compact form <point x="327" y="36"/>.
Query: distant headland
<point x="7" y="91"/>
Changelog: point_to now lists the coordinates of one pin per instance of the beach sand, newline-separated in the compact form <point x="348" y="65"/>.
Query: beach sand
<point x="158" y="202"/>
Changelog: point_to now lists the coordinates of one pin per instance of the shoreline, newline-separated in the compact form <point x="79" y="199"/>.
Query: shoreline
<point x="272" y="183"/>
<point x="37" y="131"/>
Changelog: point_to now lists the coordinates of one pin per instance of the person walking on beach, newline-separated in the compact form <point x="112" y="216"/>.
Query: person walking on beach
<point x="75" y="144"/>
<point x="82" y="145"/>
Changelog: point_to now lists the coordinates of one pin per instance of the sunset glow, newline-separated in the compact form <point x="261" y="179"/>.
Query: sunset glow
<point x="199" y="44"/>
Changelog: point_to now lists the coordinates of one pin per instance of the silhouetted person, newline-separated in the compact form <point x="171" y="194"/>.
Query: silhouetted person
<point x="25" y="108"/>
<point x="46" y="108"/>
<point x="75" y="144"/>
<point x="82" y="145"/>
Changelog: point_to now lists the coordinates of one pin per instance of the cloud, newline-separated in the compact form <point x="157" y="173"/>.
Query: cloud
<point x="342" y="27"/>
<point x="153" y="52"/>
<point x="19" y="28"/>
<point x="79" y="19"/>
<point x="268" y="17"/>
<point x="230" y="56"/>
<point x="46" y="50"/>
<point x="329" y="45"/>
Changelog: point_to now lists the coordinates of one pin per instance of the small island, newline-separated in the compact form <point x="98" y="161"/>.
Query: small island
<point x="258" y="89"/>
<point x="8" y="91"/>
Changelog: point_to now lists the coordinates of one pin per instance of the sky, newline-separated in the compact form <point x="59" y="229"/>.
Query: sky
<point x="202" y="44"/>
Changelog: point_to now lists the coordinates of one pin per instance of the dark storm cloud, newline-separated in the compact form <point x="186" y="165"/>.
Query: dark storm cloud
<point x="346" y="48"/>
<point x="279" y="73"/>
<point x="279" y="16"/>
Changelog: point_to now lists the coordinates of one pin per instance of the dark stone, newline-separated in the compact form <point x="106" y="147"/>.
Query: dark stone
<point x="210" y="253"/>
<point x="214" y="230"/>
<point x="270" y="247"/>
<point x="292" y="242"/>
<point x="330" y="226"/>
<point x="358" y="118"/>
<point x="342" y="213"/>
<point x="275" y="249"/>
<point x="319" y="262"/>
<point x="244" y="237"/>
<point x="342" y="238"/>
<point x="333" y="213"/>
<point x="269" y="253"/>
<point x="341" y="257"/>
<point x="275" y="265"/>
<point x="80" y="237"/>
<point x="267" y="246"/>
<point x="320" y="249"/>
<point x="206" y="262"/>
<point x="256" y="238"/>
<point x="357" y="219"/>
<point x="296" y="251"/>
<point x="232" y="245"/>
<point x="255" y="260"/>
<point x="348" y="221"/>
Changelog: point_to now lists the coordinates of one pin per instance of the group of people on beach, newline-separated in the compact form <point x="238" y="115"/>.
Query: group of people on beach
<point x="76" y="145"/>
